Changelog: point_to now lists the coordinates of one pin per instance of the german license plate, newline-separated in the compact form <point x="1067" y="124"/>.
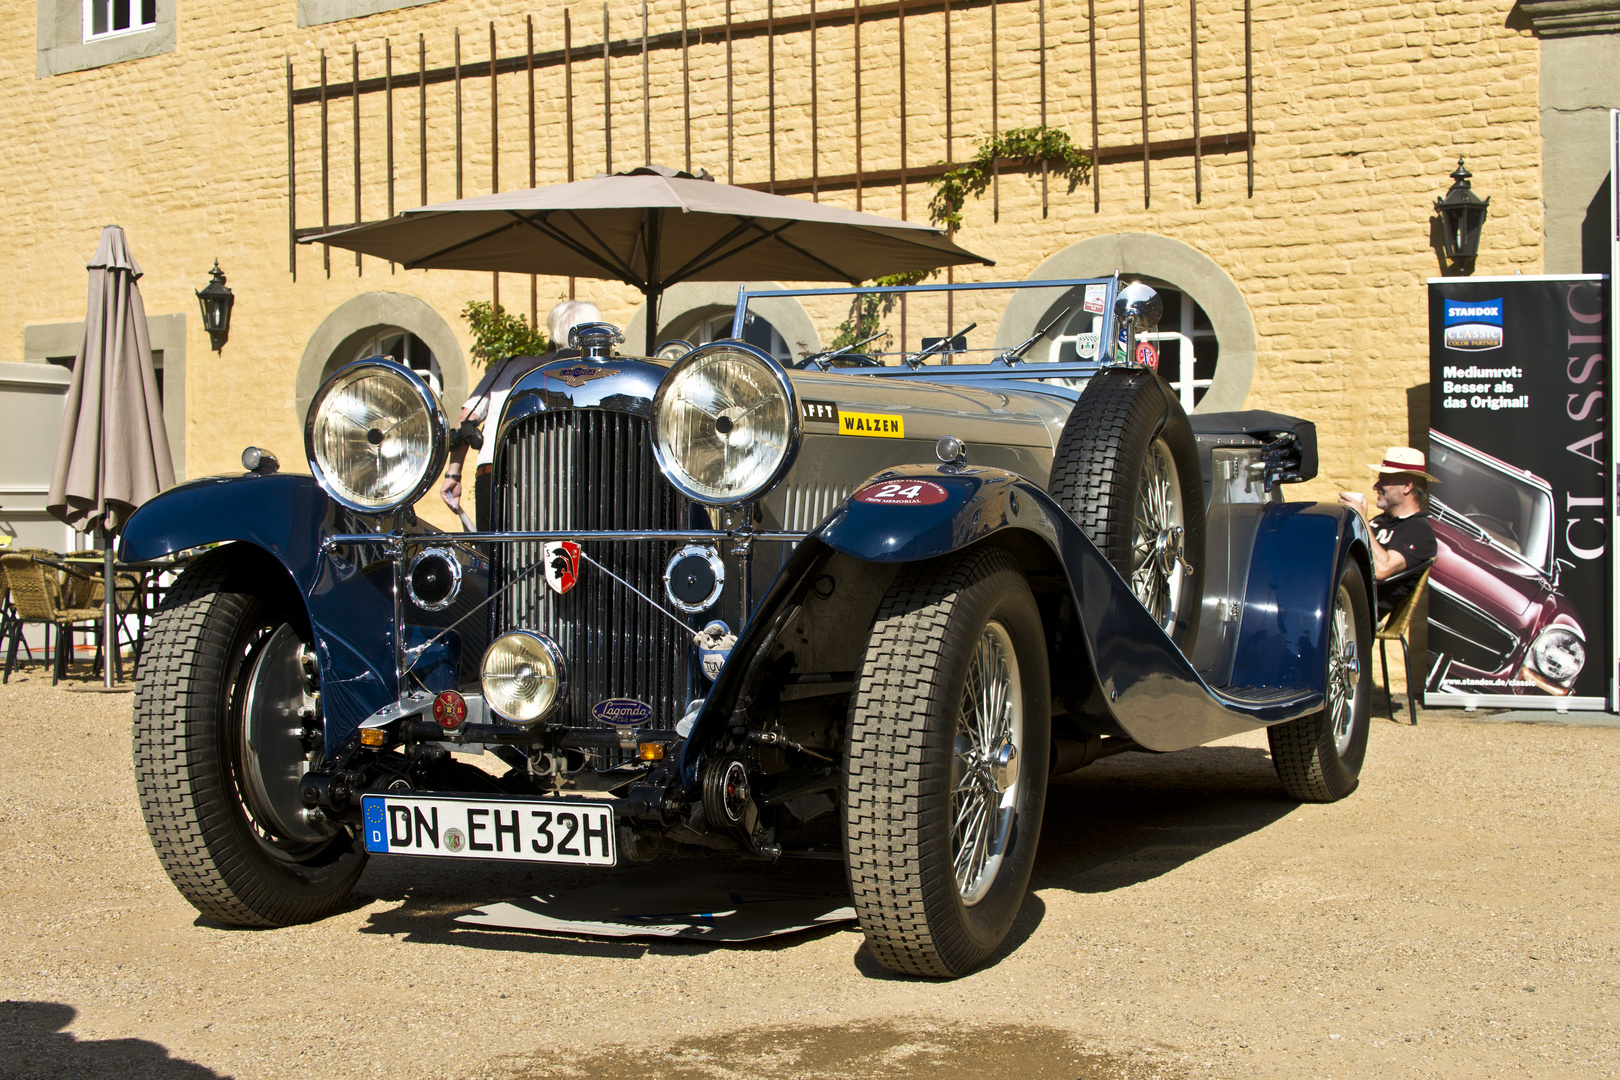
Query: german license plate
<point x="528" y="830"/>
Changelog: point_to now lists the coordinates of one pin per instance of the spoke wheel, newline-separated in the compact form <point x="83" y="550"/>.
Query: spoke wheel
<point x="1126" y="469"/>
<point x="1344" y="673"/>
<point x="220" y="747"/>
<point x="946" y="762"/>
<point x="1158" y="535"/>
<point x="984" y="763"/>
<point x="1318" y="757"/>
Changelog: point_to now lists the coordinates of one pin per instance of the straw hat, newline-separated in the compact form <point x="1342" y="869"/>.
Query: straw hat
<point x="1403" y="459"/>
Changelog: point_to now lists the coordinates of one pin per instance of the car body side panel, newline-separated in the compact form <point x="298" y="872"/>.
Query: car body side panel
<point x="349" y="604"/>
<point x="1148" y="687"/>
<point x="1289" y="600"/>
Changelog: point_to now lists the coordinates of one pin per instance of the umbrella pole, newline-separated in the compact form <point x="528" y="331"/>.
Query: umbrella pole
<point x="652" y="321"/>
<point x="109" y="596"/>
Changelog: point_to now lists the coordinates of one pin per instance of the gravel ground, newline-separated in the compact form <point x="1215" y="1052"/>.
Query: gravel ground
<point x="1452" y="918"/>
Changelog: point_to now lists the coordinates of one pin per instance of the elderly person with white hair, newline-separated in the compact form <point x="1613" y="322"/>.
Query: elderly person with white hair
<point x="489" y="396"/>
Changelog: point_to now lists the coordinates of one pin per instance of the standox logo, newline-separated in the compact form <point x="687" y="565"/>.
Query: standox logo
<point x="1472" y="325"/>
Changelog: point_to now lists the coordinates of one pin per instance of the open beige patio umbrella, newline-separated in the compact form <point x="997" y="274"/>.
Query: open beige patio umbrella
<point x="113" y="453"/>
<point x="651" y="228"/>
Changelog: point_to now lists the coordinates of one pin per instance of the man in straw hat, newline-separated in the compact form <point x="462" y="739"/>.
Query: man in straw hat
<point x="1402" y="536"/>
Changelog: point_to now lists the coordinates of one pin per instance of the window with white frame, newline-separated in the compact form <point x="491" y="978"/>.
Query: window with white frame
<point x="402" y="347"/>
<point x="757" y="331"/>
<point x="1188" y="349"/>
<point x="106" y="18"/>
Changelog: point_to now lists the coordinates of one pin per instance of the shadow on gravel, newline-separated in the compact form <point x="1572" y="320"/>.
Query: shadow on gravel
<point x="895" y="1050"/>
<point x="431" y="893"/>
<point x="1122" y="821"/>
<point x="1135" y="817"/>
<point x="33" y="1046"/>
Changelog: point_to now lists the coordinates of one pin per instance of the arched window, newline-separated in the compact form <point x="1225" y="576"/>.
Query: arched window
<point x="757" y="331"/>
<point x="1206" y="336"/>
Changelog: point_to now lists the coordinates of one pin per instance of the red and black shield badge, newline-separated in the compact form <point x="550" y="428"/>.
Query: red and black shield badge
<point x="562" y="565"/>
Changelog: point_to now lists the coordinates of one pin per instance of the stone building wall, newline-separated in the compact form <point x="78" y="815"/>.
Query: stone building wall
<point x="1360" y="111"/>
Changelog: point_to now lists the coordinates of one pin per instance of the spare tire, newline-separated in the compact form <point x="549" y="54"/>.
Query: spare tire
<point x="1126" y="469"/>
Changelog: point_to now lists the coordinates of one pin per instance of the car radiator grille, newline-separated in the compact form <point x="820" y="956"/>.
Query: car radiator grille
<point x="584" y="472"/>
<point x="1466" y="634"/>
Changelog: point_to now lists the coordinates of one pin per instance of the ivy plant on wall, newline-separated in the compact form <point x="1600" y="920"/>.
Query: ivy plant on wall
<point x="1047" y="144"/>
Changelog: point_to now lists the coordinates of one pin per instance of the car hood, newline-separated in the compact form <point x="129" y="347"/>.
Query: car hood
<point x="1484" y="575"/>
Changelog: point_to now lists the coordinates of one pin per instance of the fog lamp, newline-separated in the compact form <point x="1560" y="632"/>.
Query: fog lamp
<point x="521" y="674"/>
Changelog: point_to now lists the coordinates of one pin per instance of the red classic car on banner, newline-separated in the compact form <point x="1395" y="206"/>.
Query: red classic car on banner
<point x="1498" y="623"/>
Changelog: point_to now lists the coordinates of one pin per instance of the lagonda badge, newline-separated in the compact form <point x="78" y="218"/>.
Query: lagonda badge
<point x="580" y="374"/>
<point x="562" y="565"/>
<point x="621" y="712"/>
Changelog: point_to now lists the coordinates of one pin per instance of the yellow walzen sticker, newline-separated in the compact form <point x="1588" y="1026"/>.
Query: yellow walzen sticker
<point x="879" y="425"/>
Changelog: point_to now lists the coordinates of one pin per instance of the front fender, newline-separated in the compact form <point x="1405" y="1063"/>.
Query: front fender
<point x="1146" y="687"/>
<point x="977" y="503"/>
<point x="347" y="596"/>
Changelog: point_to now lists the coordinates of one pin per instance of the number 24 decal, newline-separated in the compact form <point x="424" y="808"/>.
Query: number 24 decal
<point x="903" y="493"/>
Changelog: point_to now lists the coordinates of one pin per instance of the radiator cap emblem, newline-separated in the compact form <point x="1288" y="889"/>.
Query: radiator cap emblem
<point x="622" y="712"/>
<point x="562" y="565"/>
<point x="580" y="374"/>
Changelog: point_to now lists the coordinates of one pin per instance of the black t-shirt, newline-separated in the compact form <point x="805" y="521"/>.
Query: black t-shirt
<point x="1413" y="537"/>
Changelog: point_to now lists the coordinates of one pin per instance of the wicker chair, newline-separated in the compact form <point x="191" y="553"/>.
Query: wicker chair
<point x="88" y="590"/>
<point x="11" y="624"/>
<point x="1394" y="629"/>
<point x="36" y="591"/>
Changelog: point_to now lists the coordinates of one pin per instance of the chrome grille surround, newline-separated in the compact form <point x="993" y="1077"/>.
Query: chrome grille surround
<point x="583" y="471"/>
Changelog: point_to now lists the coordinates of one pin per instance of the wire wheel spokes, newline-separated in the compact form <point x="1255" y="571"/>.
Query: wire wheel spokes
<point x="1158" y="568"/>
<point x="985" y="762"/>
<point x="1344" y="672"/>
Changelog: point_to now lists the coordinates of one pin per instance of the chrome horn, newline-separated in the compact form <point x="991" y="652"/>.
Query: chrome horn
<point x="1137" y="308"/>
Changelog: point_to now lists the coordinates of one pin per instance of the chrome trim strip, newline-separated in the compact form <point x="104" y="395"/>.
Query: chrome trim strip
<point x="343" y="539"/>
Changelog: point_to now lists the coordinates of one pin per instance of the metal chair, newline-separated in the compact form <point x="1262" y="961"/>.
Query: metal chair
<point x="1394" y="629"/>
<point x="37" y="593"/>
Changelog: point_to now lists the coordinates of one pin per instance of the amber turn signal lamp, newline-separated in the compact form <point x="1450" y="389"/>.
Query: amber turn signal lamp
<point x="652" y="751"/>
<point x="373" y="736"/>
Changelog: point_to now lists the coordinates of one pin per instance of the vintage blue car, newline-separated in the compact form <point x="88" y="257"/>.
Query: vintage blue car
<point x="832" y="608"/>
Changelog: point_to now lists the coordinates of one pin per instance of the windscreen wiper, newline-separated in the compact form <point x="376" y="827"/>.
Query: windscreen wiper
<point x="816" y="358"/>
<point x="915" y="360"/>
<point x="1015" y="355"/>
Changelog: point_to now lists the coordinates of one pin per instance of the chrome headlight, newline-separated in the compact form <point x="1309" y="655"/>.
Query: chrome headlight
<point x="1558" y="653"/>
<point x="375" y="436"/>
<point x="726" y="423"/>
<point x="521" y="675"/>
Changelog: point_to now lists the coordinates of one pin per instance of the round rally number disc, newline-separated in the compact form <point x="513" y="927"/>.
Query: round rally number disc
<point x="450" y="709"/>
<point x="902" y="493"/>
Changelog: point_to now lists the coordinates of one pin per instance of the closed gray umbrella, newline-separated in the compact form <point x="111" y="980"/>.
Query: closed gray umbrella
<point x="113" y="453"/>
<point x="651" y="228"/>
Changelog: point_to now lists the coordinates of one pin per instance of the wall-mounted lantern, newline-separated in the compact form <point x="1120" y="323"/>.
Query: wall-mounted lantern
<point x="216" y="300"/>
<point x="1462" y="216"/>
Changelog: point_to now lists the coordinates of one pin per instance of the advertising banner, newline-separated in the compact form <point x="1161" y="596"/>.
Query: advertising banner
<point x="1519" y="442"/>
